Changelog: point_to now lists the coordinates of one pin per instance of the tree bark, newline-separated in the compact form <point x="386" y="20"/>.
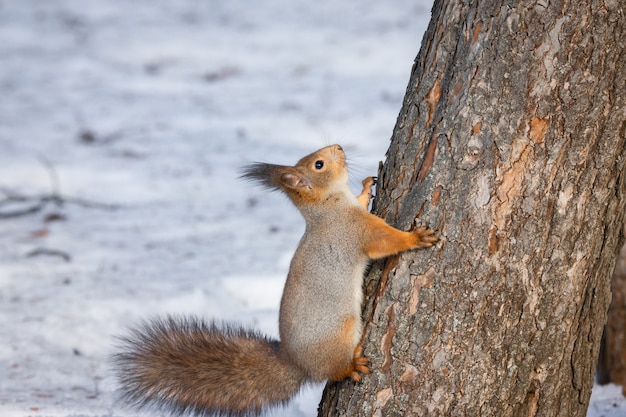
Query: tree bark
<point x="511" y="143"/>
<point x="612" y="362"/>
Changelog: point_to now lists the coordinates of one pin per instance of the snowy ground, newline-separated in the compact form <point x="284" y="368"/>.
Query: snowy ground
<point x="138" y="115"/>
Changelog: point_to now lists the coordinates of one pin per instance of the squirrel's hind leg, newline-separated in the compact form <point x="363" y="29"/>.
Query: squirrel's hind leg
<point x="353" y="363"/>
<point x="358" y="367"/>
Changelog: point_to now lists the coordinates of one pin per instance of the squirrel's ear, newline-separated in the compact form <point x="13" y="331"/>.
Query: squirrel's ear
<point x="295" y="180"/>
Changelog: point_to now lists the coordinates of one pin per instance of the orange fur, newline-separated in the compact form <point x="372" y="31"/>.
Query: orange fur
<point x="382" y="240"/>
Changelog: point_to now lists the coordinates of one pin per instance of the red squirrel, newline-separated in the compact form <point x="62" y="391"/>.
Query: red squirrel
<point x="188" y="365"/>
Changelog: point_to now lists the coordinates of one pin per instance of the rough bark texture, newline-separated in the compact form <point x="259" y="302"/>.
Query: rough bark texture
<point x="511" y="143"/>
<point x="612" y="362"/>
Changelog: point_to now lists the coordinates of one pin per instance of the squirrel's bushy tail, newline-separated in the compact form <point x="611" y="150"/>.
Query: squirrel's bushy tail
<point x="185" y="365"/>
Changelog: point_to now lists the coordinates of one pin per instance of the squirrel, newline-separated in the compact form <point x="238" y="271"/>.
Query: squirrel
<point x="186" y="365"/>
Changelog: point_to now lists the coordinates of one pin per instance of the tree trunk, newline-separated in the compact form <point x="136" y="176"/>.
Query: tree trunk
<point x="612" y="362"/>
<point x="511" y="143"/>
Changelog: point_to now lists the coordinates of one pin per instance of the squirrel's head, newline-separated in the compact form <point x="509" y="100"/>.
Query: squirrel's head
<point x="313" y="178"/>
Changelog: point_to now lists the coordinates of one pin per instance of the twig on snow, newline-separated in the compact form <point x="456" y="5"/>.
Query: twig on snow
<point x="50" y="252"/>
<point x="41" y="201"/>
<point x="38" y="203"/>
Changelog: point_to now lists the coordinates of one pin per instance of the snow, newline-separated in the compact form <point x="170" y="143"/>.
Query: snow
<point x="607" y="401"/>
<point x="139" y="115"/>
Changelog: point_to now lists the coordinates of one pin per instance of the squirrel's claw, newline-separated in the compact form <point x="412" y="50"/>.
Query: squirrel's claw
<point x="425" y="237"/>
<point x="369" y="182"/>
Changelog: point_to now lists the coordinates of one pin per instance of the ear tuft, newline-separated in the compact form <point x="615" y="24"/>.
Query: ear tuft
<point x="276" y="177"/>
<point x="264" y="174"/>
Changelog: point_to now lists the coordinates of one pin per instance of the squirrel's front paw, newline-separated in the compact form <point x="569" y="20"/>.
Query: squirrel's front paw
<point x="366" y="195"/>
<point x="425" y="237"/>
<point x="369" y="182"/>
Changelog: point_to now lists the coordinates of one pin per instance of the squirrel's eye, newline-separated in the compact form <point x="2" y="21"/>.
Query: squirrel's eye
<point x="319" y="164"/>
